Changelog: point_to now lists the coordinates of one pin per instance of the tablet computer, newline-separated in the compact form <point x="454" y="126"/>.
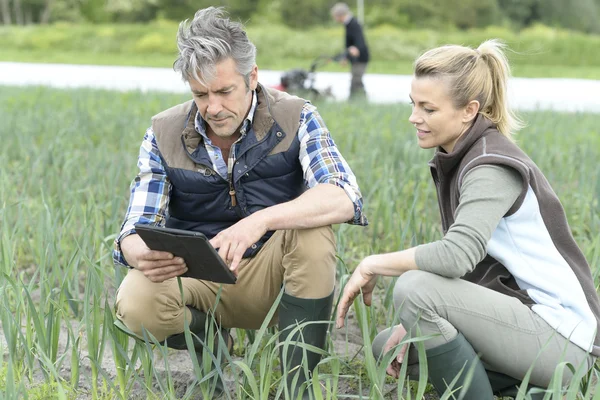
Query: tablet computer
<point x="200" y="256"/>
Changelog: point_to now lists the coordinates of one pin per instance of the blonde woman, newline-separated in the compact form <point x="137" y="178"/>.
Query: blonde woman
<point x="507" y="287"/>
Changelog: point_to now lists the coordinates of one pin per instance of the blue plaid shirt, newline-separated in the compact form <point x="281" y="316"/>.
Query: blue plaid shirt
<point x="320" y="159"/>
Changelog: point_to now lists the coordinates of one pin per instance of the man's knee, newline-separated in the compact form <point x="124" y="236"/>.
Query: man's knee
<point x="141" y="306"/>
<point x="313" y="243"/>
<point x="310" y="262"/>
<point x="133" y="311"/>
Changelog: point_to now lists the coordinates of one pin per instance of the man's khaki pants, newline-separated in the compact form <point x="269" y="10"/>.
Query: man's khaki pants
<point x="508" y="335"/>
<point x="302" y="260"/>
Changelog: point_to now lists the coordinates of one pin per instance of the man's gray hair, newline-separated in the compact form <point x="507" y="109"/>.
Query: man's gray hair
<point x="211" y="37"/>
<point x="340" y="10"/>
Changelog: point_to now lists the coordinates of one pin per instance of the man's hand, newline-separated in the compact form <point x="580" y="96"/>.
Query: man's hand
<point x="397" y="335"/>
<point x="235" y="240"/>
<point x="353" y="51"/>
<point x="157" y="266"/>
<point x="361" y="278"/>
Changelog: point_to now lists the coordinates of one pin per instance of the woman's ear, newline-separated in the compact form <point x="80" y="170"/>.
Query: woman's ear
<point x="470" y="111"/>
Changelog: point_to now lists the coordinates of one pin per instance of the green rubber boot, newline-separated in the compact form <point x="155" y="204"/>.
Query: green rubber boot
<point x="198" y="327"/>
<point x="507" y="386"/>
<point x="294" y="311"/>
<point x="456" y="361"/>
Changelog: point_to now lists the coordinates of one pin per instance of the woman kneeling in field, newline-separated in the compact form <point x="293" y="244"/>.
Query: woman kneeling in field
<point x="506" y="288"/>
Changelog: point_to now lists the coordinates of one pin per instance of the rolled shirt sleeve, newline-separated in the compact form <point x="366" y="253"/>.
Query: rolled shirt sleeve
<point x="150" y="191"/>
<point x="320" y="159"/>
<point x="322" y="162"/>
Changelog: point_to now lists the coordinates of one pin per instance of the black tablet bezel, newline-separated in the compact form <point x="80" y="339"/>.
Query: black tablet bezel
<point x="201" y="259"/>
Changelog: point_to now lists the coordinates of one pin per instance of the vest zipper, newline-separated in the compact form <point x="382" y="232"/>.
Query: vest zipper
<point x="230" y="181"/>
<point x="437" y="189"/>
<point x="212" y="171"/>
<point x="232" y="193"/>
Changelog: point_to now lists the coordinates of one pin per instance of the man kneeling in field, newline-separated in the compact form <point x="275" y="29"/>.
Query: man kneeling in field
<point x="257" y="172"/>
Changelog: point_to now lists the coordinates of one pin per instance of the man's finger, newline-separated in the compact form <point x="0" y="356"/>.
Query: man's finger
<point x="157" y="264"/>
<point x="223" y="250"/>
<point x="167" y="270"/>
<point x="166" y="275"/>
<point x="232" y="251"/>
<point x="215" y="242"/>
<point x="155" y="255"/>
<point x="237" y="257"/>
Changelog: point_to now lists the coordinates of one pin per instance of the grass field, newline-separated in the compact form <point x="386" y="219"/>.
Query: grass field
<point x="538" y="51"/>
<point x="67" y="160"/>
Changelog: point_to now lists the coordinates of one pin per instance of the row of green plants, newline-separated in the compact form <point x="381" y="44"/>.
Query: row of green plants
<point x="67" y="160"/>
<point x="393" y="50"/>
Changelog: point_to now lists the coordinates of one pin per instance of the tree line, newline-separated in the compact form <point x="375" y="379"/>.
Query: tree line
<point x="580" y="15"/>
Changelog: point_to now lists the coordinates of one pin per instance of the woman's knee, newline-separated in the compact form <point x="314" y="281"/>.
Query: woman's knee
<point x="408" y="285"/>
<point x="380" y="341"/>
<point x="417" y="292"/>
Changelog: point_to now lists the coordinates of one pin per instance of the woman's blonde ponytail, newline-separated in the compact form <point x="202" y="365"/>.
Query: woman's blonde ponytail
<point x="497" y="110"/>
<point x="480" y="74"/>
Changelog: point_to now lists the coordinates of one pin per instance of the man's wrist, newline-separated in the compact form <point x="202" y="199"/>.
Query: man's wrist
<point x="265" y="219"/>
<point x="124" y="233"/>
<point x="128" y="260"/>
<point x="118" y="256"/>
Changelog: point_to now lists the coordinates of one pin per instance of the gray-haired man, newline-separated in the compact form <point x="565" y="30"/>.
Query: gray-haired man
<point x="356" y="49"/>
<point x="257" y="172"/>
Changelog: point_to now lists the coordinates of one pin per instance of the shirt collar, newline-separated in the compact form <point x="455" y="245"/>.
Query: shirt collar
<point x="445" y="162"/>
<point x="200" y="124"/>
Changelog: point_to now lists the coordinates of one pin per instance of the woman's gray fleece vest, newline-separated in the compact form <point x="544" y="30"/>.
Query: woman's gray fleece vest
<point x="483" y="145"/>
<point x="267" y="170"/>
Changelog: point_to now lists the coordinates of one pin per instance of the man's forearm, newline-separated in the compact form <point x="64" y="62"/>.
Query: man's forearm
<point x="321" y="205"/>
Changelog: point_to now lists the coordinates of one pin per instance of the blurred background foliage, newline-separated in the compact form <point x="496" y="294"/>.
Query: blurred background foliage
<point x="578" y="15"/>
<point x="547" y="38"/>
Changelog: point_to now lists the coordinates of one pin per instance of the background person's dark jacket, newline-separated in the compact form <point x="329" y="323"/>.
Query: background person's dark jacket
<point x="355" y="37"/>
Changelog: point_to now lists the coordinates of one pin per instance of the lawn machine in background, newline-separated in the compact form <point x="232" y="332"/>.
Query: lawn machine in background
<point x="301" y="82"/>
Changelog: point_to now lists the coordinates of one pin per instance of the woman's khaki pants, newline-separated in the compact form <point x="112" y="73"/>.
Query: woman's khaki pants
<point x="508" y="336"/>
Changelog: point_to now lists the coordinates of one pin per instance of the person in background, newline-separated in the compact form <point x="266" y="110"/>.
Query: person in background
<point x="356" y="50"/>
<point x="256" y="171"/>
<point x="506" y="288"/>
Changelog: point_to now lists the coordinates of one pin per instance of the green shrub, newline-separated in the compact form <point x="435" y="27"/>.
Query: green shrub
<point x="278" y="47"/>
<point x="155" y="43"/>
